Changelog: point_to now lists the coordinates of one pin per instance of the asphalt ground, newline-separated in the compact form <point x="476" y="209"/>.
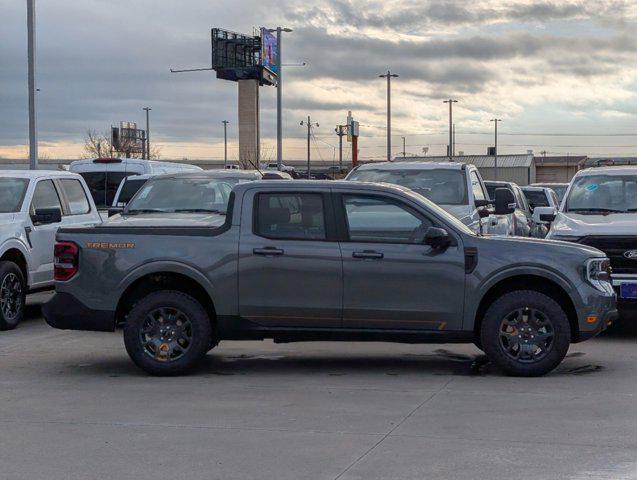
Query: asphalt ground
<point x="73" y="406"/>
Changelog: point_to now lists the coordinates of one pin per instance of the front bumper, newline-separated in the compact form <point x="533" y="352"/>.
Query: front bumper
<point x="596" y="311"/>
<point x="66" y="312"/>
<point x="627" y="306"/>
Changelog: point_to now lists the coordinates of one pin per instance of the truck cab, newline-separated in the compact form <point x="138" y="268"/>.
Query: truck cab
<point x="458" y="188"/>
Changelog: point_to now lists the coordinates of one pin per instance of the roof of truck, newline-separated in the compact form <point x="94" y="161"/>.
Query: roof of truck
<point x="37" y="173"/>
<point x="411" y="165"/>
<point x="616" y="170"/>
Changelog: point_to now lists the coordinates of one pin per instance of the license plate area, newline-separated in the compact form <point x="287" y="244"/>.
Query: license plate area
<point x="628" y="290"/>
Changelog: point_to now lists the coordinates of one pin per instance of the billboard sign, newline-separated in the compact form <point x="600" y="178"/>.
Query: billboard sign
<point x="269" y="51"/>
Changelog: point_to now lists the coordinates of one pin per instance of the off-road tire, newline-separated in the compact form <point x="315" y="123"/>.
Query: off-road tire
<point x="9" y="270"/>
<point x="509" y="302"/>
<point x="201" y="332"/>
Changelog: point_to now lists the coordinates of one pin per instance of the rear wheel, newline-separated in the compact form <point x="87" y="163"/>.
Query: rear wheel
<point x="12" y="295"/>
<point x="525" y="333"/>
<point x="167" y="333"/>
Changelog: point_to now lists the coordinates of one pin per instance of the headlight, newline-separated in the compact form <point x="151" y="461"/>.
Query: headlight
<point x="598" y="274"/>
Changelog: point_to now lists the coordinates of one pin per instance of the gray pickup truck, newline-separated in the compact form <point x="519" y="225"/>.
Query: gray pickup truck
<point x="320" y="260"/>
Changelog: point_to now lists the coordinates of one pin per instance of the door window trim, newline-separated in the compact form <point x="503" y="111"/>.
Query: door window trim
<point x="328" y="215"/>
<point x="56" y="188"/>
<point x="66" y="209"/>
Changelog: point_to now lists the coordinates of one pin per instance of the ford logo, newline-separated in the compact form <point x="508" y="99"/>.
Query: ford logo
<point x="631" y="254"/>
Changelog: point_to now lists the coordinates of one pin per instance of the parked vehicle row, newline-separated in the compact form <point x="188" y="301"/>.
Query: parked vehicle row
<point x="320" y="260"/>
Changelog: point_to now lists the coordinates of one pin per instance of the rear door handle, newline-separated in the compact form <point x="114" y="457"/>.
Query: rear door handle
<point x="368" y="254"/>
<point x="268" y="251"/>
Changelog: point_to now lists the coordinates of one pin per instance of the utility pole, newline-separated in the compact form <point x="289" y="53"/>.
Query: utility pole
<point x="309" y="135"/>
<point x="225" y="143"/>
<point x="279" y="95"/>
<point x="495" y="148"/>
<point x="389" y="76"/>
<point x="450" y="149"/>
<point x="404" y="152"/>
<point x="33" y="138"/>
<point x="148" y="109"/>
<point x="339" y="132"/>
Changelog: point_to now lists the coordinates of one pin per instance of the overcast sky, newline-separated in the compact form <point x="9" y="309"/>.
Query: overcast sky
<point x="543" y="67"/>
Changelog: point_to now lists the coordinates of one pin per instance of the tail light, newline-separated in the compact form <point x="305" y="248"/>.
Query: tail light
<point x="66" y="260"/>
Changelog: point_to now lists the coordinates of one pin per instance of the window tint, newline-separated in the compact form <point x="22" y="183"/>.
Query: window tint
<point x="537" y="198"/>
<point x="78" y="203"/>
<point x="45" y="196"/>
<point x="373" y="219"/>
<point x="104" y="185"/>
<point x="130" y="188"/>
<point x="291" y="215"/>
<point x="12" y="192"/>
<point x="476" y="186"/>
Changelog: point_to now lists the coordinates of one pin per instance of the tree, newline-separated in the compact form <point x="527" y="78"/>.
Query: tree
<point x="98" y="145"/>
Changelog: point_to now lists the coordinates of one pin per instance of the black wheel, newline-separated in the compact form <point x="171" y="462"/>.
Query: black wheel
<point x="167" y="333"/>
<point x="525" y="333"/>
<point x="12" y="295"/>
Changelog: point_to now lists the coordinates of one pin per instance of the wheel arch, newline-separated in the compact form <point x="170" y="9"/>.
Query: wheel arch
<point x="528" y="281"/>
<point x="13" y="253"/>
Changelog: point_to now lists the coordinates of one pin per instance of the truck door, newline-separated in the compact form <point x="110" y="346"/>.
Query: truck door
<point x="42" y="236"/>
<point x="391" y="280"/>
<point x="290" y="269"/>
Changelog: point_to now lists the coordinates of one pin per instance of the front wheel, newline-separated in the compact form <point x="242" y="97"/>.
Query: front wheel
<point x="12" y="295"/>
<point x="525" y="333"/>
<point x="167" y="333"/>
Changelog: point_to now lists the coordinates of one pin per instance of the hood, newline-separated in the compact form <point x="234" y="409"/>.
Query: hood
<point x="166" y="220"/>
<point x="579" y="225"/>
<point x="461" y="212"/>
<point x="530" y="243"/>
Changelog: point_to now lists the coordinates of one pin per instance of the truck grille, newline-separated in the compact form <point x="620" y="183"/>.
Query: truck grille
<point x="614" y="248"/>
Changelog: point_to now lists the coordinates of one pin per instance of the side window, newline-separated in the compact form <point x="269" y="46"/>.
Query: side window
<point x="375" y="219"/>
<point x="476" y="186"/>
<point x="295" y="216"/>
<point x="78" y="203"/>
<point x="45" y="196"/>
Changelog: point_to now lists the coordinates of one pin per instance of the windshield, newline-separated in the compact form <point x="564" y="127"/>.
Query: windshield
<point x="170" y="195"/>
<point x="444" y="186"/>
<point x="129" y="188"/>
<point x="12" y="192"/>
<point x="603" y="194"/>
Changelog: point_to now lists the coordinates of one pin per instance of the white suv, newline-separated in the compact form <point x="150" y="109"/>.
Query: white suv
<point x="33" y="204"/>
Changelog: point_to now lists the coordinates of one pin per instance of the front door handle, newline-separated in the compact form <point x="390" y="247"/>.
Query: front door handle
<point x="368" y="254"/>
<point x="268" y="251"/>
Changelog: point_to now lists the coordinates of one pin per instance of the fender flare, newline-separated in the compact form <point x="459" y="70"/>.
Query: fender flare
<point x="17" y="244"/>
<point x="169" y="266"/>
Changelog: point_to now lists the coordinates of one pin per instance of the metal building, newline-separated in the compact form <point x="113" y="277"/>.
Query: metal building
<point x="511" y="168"/>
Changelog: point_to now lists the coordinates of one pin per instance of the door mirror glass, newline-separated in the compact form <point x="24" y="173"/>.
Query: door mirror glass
<point x="544" y="214"/>
<point x="437" y="238"/>
<point x="44" y="216"/>
<point x="504" y="201"/>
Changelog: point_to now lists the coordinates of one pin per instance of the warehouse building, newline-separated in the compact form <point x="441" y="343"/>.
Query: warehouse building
<point x="558" y="169"/>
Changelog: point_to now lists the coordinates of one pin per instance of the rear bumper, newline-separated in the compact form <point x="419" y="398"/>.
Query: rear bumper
<point x="66" y="312"/>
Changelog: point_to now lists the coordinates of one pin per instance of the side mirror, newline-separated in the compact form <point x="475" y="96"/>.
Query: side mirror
<point x="437" y="238"/>
<point x="115" y="210"/>
<point x="483" y="203"/>
<point x="504" y="201"/>
<point x="44" y="216"/>
<point x="544" y="214"/>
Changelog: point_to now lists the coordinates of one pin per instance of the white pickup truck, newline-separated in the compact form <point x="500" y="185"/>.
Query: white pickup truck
<point x="33" y="204"/>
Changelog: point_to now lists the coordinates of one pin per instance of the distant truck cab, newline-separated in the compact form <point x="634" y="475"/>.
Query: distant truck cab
<point x="104" y="175"/>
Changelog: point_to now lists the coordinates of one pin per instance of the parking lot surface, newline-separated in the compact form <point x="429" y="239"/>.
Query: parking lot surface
<point x="73" y="406"/>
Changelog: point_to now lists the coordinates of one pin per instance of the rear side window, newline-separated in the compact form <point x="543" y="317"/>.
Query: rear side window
<point x="78" y="203"/>
<point x="45" y="196"/>
<point x="297" y="216"/>
<point x="476" y="186"/>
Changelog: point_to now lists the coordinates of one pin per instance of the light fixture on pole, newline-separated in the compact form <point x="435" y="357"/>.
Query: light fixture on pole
<point x="225" y="143"/>
<point x="495" y="148"/>
<point x="148" y="109"/>
<point x="279" y="95"/>
<point x="388" y="76"/>
<point x="450" y="151"/>
<point x="309" y="135"/>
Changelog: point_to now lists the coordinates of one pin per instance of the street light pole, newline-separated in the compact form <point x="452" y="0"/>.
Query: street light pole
<point x="279" y="96"/>
<point x="225" y="143"/>
<point x="33" y="139"/>
<point x="309" y="134"/>
<point x="451" y="101"/>
<point x="339" y="132"/>
<point x="495" y="148"/>
<point x="404" y="152"/>
<point x="148" y="109"/>
<point x="389" y="76"/>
